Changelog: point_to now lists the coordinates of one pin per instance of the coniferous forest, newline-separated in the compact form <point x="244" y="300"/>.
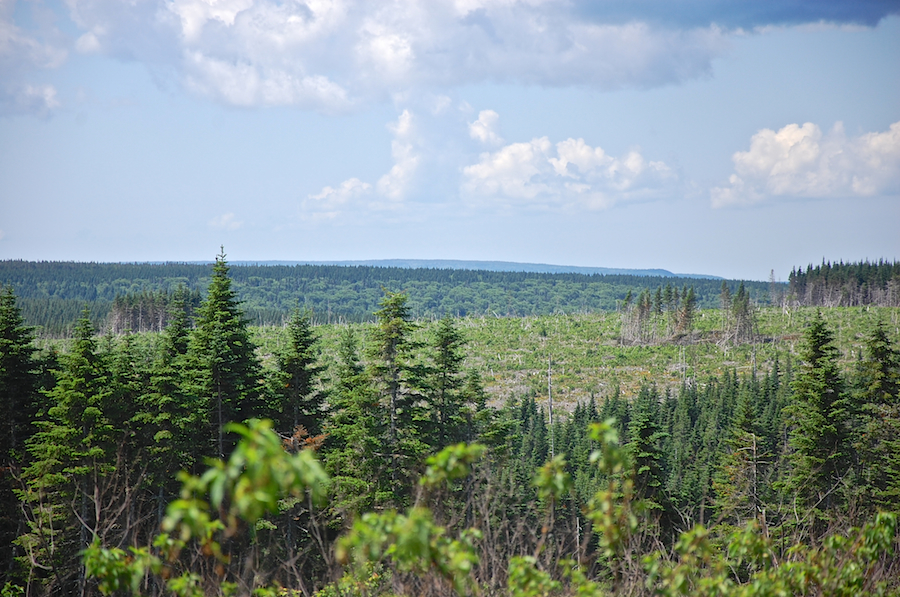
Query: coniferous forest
<point x="52" y="295"/>
<point x="690" y="440"/>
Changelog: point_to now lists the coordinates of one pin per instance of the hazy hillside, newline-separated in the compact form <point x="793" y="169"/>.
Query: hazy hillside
<point x="491" y="266"/>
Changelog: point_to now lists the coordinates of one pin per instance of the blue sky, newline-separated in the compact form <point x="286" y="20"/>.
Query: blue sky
<point x="726" y="138"/>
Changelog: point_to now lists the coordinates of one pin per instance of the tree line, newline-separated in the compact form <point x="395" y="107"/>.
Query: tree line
<point x="417" y="486"/>
<point x="846" y="284"/>
<point x="52" y="294"/>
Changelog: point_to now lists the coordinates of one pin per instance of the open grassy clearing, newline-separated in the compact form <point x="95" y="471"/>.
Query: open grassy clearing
<point x="590" y="359"/>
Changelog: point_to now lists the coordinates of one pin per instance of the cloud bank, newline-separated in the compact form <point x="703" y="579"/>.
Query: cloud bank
<point x="744" y="15"/>
<point x="332" y="55"/>
<point x="801" y="161"/>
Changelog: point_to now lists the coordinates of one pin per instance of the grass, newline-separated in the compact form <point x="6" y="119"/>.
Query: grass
<point x="589" y="357"/>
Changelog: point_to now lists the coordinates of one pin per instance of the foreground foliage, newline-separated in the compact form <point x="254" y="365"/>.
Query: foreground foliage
<point x="417" y="550"/>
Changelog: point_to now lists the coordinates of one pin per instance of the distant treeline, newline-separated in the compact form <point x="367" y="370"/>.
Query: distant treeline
<point x="53" y="294"/>
<point x="847" y="284"/>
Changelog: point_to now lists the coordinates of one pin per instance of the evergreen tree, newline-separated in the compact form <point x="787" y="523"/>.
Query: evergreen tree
<point x="741" y="474"/>
<point x="18" y="378"/>
<point x="357" y="427"/>
<point x="725" y="304"/>
<point x="445" y="386"/>
<point x="820" y="437"/>
<point x="175" y="423"/>
<point x="879" y="439"/>
<point x="645" y="447"/>
<point x="225" y="367"/>
<point x="18" y="407"/>
<point x="687" y="311"/>
<point x="398" y="380"/>
<point x="69" y="457"/>
<point x="297" y="401"/>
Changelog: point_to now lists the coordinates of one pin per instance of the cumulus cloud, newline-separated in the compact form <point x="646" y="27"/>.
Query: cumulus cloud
<point x="570" y="174"/>
<point x="485" y="128"/>
<point x="25" y="98"/>
<point x="394" y="184"/>
<point x="801" y="161"/>
<point x="225" y="221"/>
<point x="389" y="193"/>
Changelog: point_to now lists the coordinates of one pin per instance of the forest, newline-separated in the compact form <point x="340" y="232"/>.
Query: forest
<point x="689" y="441"/>
<point x="52" y="295"/>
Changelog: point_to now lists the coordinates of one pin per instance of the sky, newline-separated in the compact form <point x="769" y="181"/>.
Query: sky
<point x="721" y="137"/>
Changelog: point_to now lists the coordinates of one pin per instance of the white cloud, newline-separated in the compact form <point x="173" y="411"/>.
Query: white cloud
<point x="331" y="55"/>
<point x="395" y="184"/>
<point x="225" y="221"/>
<point x="244" y="84"/>
<point x="354" y="195"/>
<point x="570" y="174"/>
<point x="801" y="161"/>
<point x="485" y="128"/>
<point x="2" y="235"/>
<point x="331" y="202"/>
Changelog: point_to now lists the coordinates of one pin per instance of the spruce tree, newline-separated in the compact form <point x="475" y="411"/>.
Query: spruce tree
<point x="70" y="455"/>
<point x="295" y="397"/>
<point x="175" y="427"/>
<point x="18" y="405"/>
<point x="820" y="436"/>
<point x="226" y="372"/>
<point x="879" y="439"/>
<point x="399" y="381"/>
<point x="741" y="474"/>
<point x="446" y="398"/>
<point x="645" y="447"/>
<point x="356" y="428"/>
<point x="18" y="379"/>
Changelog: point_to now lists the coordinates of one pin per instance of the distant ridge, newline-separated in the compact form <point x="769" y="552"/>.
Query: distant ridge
<point x="491" y="266"/>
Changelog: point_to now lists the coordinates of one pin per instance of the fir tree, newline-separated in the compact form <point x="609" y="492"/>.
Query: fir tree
<point x="399" y="381"/>
<point x="820" y="437"/>
<point x="69" y="457"/>
<point x="879" y="439"/>
<point x="445" y="386"/>
<point x="225" y="367"/>
<point x="18" y="406"/>
<point x="297" y="401"/>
